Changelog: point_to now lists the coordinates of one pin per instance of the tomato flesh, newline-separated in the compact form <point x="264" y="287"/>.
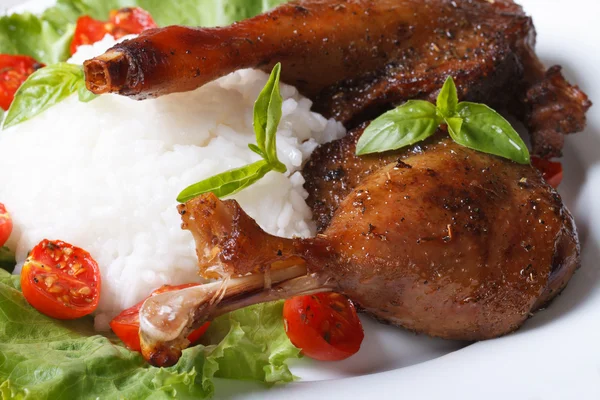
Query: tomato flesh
<point x="14" y="70"/>
<point x="552" y="171"/>
<point x="127" y="324"/>
<point x="130" y="20"/>
<point x="126" y="21"/>
<point x="5" y="225"/>
<point x="87" y="31"/>
<point x="61" y="280"/>
<point x="325" y="326"/>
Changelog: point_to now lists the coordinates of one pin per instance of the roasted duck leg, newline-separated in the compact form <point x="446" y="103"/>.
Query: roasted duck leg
<point x="438" y="239"/>
<point x="358" y="58"/>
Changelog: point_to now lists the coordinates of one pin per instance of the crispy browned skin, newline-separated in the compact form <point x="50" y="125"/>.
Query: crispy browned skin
<point x="244" y="243"/>
<point x="334" y="170"/>
<point x="358" y="58"/>
<point x="554" y="109"/>
<point x="449" y="242"/>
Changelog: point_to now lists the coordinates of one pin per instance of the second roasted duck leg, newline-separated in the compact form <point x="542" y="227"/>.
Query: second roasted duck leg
<point x="446" y="241"/>
<point x="358" y="58"/>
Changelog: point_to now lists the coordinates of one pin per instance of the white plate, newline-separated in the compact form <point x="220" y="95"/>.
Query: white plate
<point x="556" y="355"/>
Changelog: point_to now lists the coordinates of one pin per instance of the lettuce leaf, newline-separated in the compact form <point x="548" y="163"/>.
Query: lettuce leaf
<point x="42" y="358"/>
<point x="36" y="37"/>
<point x="253" y="344"/>
<point x="169" y="12"/>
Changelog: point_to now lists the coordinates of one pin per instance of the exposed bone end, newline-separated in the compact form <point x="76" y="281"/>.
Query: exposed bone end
<point x="167" y="319"/>
<point x="165" y="355"/>
<point x="107" y="73"/>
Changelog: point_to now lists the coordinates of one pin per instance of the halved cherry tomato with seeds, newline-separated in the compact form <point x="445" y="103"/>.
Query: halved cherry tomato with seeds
<point x="552" y="171"/>
<point x="14" y="70"/>
<point x="61" y="280"/>
<point x="5" y="225"/>
<point x="325" y="326"/>
<point x="127" y="324"/>
<point x="126" y="21"/>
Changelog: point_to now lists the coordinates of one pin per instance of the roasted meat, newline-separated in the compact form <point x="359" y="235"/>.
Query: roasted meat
<point x="358" y="58"/>
<point x="334" y="170"/>
<point x="439" y="239"/>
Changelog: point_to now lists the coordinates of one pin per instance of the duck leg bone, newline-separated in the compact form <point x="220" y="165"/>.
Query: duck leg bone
<point x="168" y="318"/>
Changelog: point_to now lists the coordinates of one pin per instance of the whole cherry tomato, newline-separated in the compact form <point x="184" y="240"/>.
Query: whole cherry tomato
<point x="325" y="326"/>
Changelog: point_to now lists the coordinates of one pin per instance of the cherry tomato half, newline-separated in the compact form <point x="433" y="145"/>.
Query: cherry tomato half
<point x="552" y="171"/>
<point x="14" y="70"/>
<point x="87" y="31"/>
<point x="325" y="326"/>
<point x="127" y="324"/>
<point x="126" y="21"/>
<point x="61" y="280"/>
<point x="5" y="225"/>
<point x="130" y="20"/>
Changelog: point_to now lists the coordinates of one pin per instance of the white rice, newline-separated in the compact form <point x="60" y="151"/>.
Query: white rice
<point x="104" y="176"/>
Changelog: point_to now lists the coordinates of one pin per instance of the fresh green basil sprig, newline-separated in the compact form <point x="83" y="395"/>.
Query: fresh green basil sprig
<point x="472" y="125"/>
<point x="44" y="88"/>
<point x="267" y="114"/>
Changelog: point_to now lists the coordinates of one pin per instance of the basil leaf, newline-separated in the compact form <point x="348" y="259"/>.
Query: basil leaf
<point x="447" y="100"/>
<point x="412" y="122"/>
<point x="228" y="182"/>
<point x="472" y="125"/>
<point x="267" y="115"/>
<point x="7" y="259"/>
<point x="485" y="130"/>
<point x="454" y="126"/>
<point x="258" y="151"/>
<point x="44" y="88"/>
